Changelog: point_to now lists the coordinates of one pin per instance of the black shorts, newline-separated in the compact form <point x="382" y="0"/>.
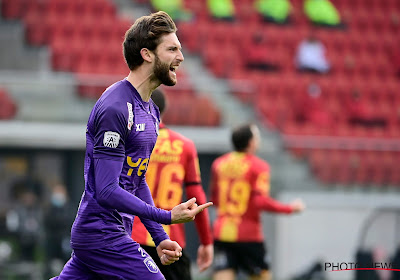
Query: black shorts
<point x="177" y="271"/>
<point x="247" y="256"/>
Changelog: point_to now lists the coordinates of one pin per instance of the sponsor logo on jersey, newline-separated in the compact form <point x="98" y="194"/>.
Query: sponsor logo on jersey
<point x="151" y="265"/>
<point x="140" y="126"/>
<point x="130" y="115"/>
<point x="111" y="139"/>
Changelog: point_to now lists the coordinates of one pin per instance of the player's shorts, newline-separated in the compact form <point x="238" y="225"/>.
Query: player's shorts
<point x="179" y="270"/>
<point x="127" y="261"/>
<point x="246" y="256"/>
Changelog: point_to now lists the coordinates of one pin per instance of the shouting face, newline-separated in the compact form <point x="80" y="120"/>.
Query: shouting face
<point x="168" y="57"/>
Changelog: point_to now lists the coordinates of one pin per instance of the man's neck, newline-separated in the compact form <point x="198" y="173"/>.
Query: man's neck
<point x="144" y="82"/>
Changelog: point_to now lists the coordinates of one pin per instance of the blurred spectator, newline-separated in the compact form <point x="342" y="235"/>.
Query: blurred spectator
<point x="257" y="55"/>
<point x="311" y="55"/>
<point x="175" y="8"/>
<point x="25" y="220"/>
<point x="311" y="108"/>
<point x="359" y="113"/>
<point x="58" y="220"/>
<point x="276" y="11"/>
<point x="221" y="9"/>
<point x="322" y="12"/>
<point x="357" y="110"/>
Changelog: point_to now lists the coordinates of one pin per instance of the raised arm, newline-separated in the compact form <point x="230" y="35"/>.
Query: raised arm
<point x="263" y="201"/>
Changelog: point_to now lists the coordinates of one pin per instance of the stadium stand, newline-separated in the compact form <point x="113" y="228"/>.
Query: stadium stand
<point x="55" y="62"/>
<point x="81" y="49"/>
<point x="363" y="56"/>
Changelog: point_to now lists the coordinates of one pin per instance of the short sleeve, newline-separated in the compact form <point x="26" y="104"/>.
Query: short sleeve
<point x="110" y="133"/>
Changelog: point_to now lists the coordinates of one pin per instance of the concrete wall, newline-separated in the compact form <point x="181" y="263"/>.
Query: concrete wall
<point x="14" y="54"/>
<point x="329" y="230"/>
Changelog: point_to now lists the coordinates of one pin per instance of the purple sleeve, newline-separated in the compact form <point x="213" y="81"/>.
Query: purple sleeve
<point x="155" y="229"/>
<point x="110" y="195"/>
<point x="110" y="132"/>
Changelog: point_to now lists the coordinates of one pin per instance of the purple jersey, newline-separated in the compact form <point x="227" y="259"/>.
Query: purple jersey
<point x="123" y="129"/>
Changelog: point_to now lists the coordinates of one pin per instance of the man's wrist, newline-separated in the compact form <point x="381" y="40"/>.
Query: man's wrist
<point x="158" y="240"/>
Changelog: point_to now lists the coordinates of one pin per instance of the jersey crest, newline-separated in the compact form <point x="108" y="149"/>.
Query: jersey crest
<point x="111" y="139"/>
<point x="151" y="265"/>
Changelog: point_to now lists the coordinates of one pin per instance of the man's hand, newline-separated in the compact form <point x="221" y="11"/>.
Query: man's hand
<point x="187" y="211"/>
<point x="205" y="255"/>
<point x="169" y="251"/>
<point x="297" y="205"/>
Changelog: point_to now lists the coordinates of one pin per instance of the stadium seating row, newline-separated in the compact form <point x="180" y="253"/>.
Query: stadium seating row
<point x="85" y="38"/>
<point x="187" y="108"/>
<point x="192" y="111"/>
<point x="362" y="58"/>
<point x="16" y="9"/>
<point x="354" y="12"/>
<point x="357" y="55"/>
<point x="356" y="167"/>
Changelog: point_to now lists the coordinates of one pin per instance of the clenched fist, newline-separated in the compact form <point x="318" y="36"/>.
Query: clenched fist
<point x="169" y="251"/>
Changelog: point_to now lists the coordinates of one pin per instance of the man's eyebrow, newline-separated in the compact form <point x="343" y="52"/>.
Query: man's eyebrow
<point x="175" y="47"/>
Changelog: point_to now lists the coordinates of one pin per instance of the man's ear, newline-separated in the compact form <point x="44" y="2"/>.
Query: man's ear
<point x="147" y="55"/>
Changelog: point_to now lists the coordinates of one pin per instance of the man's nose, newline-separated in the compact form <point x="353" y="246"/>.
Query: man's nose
<point x="180" y="56"/>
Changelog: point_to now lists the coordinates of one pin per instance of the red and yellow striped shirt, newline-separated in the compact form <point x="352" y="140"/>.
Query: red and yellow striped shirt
<point x="240" y="187"/>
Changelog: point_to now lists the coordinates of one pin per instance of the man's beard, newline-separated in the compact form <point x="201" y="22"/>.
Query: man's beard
<point x="161" y="71"/>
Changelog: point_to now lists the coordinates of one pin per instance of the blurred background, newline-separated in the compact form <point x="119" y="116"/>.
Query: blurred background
<point x="320" y="78"/>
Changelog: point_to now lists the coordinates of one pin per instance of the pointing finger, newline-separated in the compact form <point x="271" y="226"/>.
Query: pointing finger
<point x="202" y="207"/>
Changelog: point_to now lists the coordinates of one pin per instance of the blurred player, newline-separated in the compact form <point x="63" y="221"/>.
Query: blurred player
<point x="120" y="136"/>
<point x="240" y="190"/>
<point x="174" y="162"/>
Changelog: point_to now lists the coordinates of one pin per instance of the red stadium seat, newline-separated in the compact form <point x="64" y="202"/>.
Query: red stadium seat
<point x="370" y="40"/>
<point x="8" y="107"/>
<point x="12" y="9"/>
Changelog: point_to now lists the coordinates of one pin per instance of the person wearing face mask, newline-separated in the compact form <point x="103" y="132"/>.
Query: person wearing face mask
<point x="58" y="220"/>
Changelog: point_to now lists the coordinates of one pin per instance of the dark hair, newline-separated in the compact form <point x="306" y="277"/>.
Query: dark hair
<point x="26" y="185"/>
<point x="159" y="99"/>
<point x="241" y="137"/>
<point x="146" y="33"/>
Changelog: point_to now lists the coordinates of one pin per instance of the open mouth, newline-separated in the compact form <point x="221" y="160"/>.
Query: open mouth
<point x="173" y="69"/>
